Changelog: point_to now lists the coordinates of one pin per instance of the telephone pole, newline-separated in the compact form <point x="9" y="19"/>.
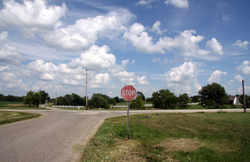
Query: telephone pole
<point x="243" y="88"/>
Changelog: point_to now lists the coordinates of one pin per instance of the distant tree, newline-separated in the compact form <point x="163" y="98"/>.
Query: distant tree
<point x="121" y="100"/>
<point x="137" y="103"/>
<point x="247" y="100"/>
<point x="99" y="100"/>
<point x="28" y="99"/>
<point x="36" y="99"/>
<point x="183" y="101"/>
<point x="213" y="95"/>
<point x="195" y="98"/>
<point x="116" y="99"/>
<point x="149" y="99"/>
<point x="32" y="98"/>
<point x="138" y="93"/>
<point x="164" y="99"/>
<point x="68" y="98"/>
<point x="44" y="96"/>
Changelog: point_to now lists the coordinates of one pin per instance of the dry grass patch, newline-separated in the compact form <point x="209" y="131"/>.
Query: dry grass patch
<point x="181" y="144"/>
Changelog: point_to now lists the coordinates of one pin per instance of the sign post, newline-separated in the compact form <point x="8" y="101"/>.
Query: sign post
<point x="128" y="92"/>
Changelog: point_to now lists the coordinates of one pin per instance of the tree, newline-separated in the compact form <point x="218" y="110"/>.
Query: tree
<point x="164" y="99"/>
<point x="183" y="101"/>
<point x="138" y="93"/>
<point x="36" y="99"/>
<point x="195" y="98"/>
<point x="32" y="98"/>
<point x="247" y="98"/>
<point x="99" y="100"/>
<point x="213" y="95"/>
<point x="44" y="96"/>
<point x="28" y="99"/>
<point x="137" y="103"/>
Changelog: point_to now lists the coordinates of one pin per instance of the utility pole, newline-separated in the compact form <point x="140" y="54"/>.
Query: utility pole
<point x="243" y="88"/>
<point x="86" y="89"/>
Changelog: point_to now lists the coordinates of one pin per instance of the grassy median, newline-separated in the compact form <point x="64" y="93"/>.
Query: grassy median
<point x="10" y="116"/>
<point x="173" y="137"/>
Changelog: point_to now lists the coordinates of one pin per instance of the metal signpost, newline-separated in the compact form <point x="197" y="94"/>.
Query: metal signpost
<point x="128" y="92"/>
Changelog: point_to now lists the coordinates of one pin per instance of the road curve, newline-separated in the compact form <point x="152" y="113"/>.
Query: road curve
<point x="53" y="136"/>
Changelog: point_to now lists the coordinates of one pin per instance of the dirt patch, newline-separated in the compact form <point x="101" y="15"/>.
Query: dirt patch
<point x="180" y="144"/>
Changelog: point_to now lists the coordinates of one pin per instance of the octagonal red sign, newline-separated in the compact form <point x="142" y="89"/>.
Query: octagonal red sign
<point x="128" y="92"/>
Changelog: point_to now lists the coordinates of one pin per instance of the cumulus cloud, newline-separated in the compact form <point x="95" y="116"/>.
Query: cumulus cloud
<point x="178" y="3"/>
<point x="145" y="2"/>
<point x="244" y="67"/>
<point x="141" y="40"/>
<point x="100" y="80"/>
<point x="185" y="42"/>
<point x="96" y="58"/>
<point x="10" y="80"/>
<point x="142" y="80"/>
<point x="35" y="14"/>
<point x="156" y="27"/>
<point x="238" y="78"/>
<point x="215" y="45"/>
<point x="215" y="76"/>
<point x="243" y="45"/>
<point x="181" y="78"/>
<point x="43" y="71"/>
<point x="85" y="32"/>
<point x="8" y="53"/>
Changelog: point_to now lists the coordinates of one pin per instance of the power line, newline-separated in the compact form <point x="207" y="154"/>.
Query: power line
<point x="27" y="33"/>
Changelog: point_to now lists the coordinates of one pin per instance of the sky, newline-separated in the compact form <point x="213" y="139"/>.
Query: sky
<point x="180" y="45"/>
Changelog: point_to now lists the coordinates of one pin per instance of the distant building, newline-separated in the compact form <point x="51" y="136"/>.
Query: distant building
<point x="235" y="100"/>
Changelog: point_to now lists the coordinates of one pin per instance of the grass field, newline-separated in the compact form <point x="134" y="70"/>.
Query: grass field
<point x="10" y="117"/>
<point x="173" y="137"/>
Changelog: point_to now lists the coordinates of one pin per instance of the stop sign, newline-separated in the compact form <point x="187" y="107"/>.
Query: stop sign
<point x="128" y="92"/>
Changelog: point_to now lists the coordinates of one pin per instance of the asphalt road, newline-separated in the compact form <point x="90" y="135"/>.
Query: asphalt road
<point x="53" y="136"/>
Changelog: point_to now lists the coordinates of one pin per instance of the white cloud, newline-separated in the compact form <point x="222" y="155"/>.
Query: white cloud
<point x="36" y="15"/>
<point x="156" y="59"/>
<point x="185" y="42"/>
<point x="156" y="27"/>
<point x="142" y="80"/>
<point x="100" y="80"/>
<point x="178" y="3"/>
<point x="85" y="32"/>
<point x="215" y="45"/>
<point x="180" y="78"/>
<point x="10" y="80"/>
<point x="187" y="72"/>
<point x="44" y="71"/>
<point x="8" y="53"/>
<point x="96" y="58"/>
<point x="133" y="61"/>
<point x="145" y="2"/>
<point x="243" y="45"/>
<point x="141" y="40"/>
<point x="42" y="85"/>
<point x="128" y="81"/>
<point x="238" y="78"/>
<point x="244" y="68"/>
<point x="215" y="76"/>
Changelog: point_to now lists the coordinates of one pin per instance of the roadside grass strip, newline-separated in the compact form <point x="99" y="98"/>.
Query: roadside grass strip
<point x="172" y="137"/>
<point x="10" y="116"/>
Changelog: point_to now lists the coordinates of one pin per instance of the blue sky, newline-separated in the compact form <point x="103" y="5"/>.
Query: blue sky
<point x="180" y="45"/>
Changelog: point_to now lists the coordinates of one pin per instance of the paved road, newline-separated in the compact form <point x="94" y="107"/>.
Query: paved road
<point x="52" y="137"/>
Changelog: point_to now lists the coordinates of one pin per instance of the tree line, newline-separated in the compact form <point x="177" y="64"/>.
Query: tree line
<point x="210" y="96"/>
<point x="11" y="98"/>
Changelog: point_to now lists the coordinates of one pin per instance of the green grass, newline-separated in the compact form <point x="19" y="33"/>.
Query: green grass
<point x="10" y="102"/>
<point x="180" y="137"/>
<point x="10" y="117"/>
